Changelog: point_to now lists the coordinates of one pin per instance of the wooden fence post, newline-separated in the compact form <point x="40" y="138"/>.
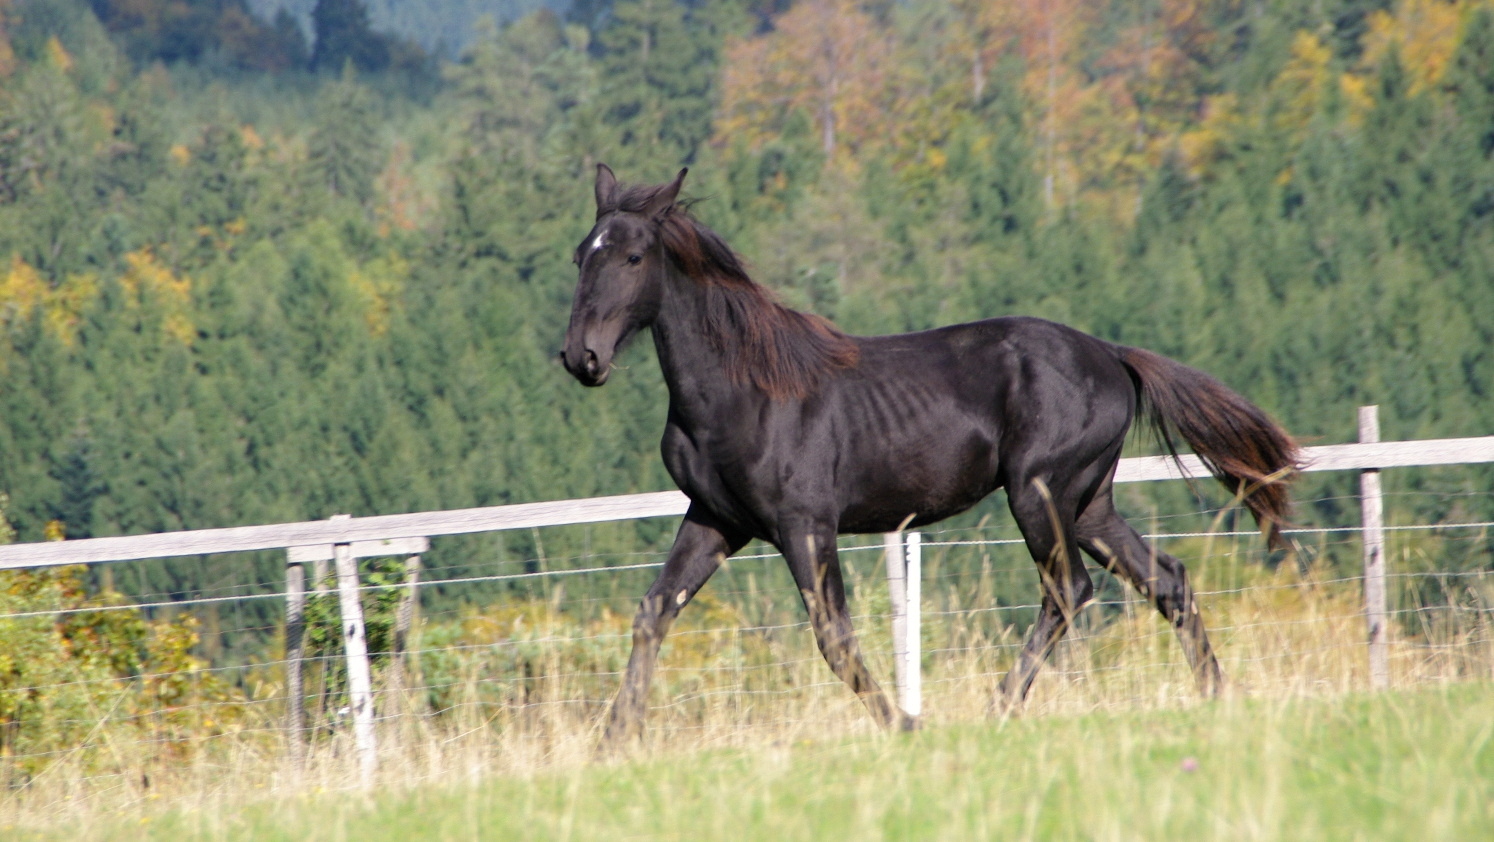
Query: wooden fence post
<point x="295" y="652"/>
<point x="405" y="618"/>
<point x="355" y="645"/>
<point x="1372" y="505"/>
<point x="897" y="592"/>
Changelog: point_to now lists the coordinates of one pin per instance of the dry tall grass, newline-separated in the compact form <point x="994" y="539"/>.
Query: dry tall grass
<point x="522" y="689"/>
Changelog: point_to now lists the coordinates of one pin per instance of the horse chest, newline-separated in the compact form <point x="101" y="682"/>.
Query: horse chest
<point x="703" y="468"/>
<point x="733" y="475"/>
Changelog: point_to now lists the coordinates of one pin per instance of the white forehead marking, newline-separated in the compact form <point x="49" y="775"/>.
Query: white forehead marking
<point x="600" y="241"/>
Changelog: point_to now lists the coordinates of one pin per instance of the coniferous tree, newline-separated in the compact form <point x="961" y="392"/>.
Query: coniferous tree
<point x="660" y="60"/>
<point x="1470" y="84"/>
<point x="80" y="486"/>
<point x="345" y="149"/>
<point x="343" y="35"/>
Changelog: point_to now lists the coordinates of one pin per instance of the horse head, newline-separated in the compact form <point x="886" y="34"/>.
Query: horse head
<point x="623" y="264"/>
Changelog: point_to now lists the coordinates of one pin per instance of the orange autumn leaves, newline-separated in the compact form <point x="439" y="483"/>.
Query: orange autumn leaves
<point x="1107" y="95"/>
<point x="825" y="57"/>
<point x="866" y="85"/>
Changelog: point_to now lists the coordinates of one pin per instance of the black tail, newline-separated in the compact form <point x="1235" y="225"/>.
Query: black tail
<point x="1239" y="443"/>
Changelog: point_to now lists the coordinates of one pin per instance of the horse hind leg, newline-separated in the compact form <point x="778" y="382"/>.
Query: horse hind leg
<point x="1159" y="577"/>
<point x="815" y="565"/>
<point x="1067" y="588"/>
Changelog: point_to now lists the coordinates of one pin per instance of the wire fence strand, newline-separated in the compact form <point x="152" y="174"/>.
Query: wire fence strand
<point x="545" y="659"/>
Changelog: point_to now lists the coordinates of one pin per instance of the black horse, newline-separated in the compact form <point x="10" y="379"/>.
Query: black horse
<point x="783" y="428"/>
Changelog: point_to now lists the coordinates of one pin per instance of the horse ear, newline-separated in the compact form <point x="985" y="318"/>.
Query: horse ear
<point x="665" y="198"/>
<point x="606" y="188"/>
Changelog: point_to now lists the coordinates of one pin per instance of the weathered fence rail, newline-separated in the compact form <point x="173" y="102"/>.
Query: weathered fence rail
<point x="343" y="539"/>
<point x="369" y="535"/>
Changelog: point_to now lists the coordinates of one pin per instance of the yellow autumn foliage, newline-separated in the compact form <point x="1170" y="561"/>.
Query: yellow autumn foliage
<point x="58" y="55"/>
<point x="1300" y="86"/>
<point x="1205" y="144"/>
<point x="251" y="138"/>
<point x="23" y="291"/>
<point x="378" y="284"/>
<point x="145" y="276"/>
<point x="7" y="55"/>
<point x="1426" y="32"/>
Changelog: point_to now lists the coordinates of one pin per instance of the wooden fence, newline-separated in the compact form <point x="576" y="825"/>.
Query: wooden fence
<point x="343" y="539"/>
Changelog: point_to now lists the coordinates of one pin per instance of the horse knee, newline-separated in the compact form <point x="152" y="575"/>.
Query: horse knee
<point x="1181" y="607"/>
<point x="1172" y="592"/>
<point x="1073" y="589"/>
<point x="1082" y="587"/>
<point x="837" y="644"/>
<point x="654" y="614"/>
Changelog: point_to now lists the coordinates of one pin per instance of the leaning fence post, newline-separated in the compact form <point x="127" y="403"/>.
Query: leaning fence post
<point x="897" y="592"/>
<point x="295" y="652"/>
<point x="1372" y="505"/>
<point x="355" y="645"/>
<point x="405" y="617"/>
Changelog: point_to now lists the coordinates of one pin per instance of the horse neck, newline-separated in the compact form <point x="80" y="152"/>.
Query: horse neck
<point x="694" y="365"/>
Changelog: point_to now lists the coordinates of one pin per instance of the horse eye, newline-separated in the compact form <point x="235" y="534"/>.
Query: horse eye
<point x="635" y="258"/>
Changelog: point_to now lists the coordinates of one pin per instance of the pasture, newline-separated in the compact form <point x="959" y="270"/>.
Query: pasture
<point x="1114" y="743"/>
<point x="1407" y="764"/>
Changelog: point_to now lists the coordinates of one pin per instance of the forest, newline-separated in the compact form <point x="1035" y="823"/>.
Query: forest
<point x="252" y="274"/>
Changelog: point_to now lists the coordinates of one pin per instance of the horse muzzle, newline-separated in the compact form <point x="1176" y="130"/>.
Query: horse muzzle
<point x="586" y="365"/>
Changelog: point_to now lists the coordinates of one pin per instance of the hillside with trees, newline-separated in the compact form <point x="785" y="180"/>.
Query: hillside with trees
<point x="247" y="276"/>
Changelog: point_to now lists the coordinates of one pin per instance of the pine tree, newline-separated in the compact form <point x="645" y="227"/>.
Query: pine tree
<point x="345" y="150"/>
<point x="660" y="60"/>
<point x="80" y="485"/>
<point x="1470" y="85"/>
<point x="343" y="35"/>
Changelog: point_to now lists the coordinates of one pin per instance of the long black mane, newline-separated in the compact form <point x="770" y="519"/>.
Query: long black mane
<point x="780" y="350"/>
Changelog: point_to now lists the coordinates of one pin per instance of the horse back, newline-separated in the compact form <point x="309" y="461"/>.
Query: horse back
<point x="931" y="422"/>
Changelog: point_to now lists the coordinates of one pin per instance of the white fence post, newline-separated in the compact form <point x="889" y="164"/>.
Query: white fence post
<point x="911" y="695"/>
<point x="904" y="590"/>
<point x="355" y="645"/>
<point x="1372" y="505"/>
<point x="387" y="535"/>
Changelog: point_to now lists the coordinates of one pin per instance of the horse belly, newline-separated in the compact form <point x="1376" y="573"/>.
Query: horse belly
<point x="929" y="479"/>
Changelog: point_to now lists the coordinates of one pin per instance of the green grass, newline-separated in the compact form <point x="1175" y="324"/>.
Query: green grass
<point x="1415" y="764"/>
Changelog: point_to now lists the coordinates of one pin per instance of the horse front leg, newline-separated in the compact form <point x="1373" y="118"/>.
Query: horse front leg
<point x="815" y="565"/>
<point x="699" y="549"/>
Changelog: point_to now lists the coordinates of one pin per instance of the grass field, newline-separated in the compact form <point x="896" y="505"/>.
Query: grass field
<point x="1410" y="764"/>
<point x="751" y="737"/>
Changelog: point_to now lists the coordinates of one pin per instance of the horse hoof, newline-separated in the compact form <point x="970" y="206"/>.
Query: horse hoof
<point x="1002" y="707"/>
<point x="619" y="742"/>
<point x="616" y="749"/>
<point x="906" y="723"/>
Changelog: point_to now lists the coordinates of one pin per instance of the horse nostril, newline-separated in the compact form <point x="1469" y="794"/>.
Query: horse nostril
<point x="592" y="363"/>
